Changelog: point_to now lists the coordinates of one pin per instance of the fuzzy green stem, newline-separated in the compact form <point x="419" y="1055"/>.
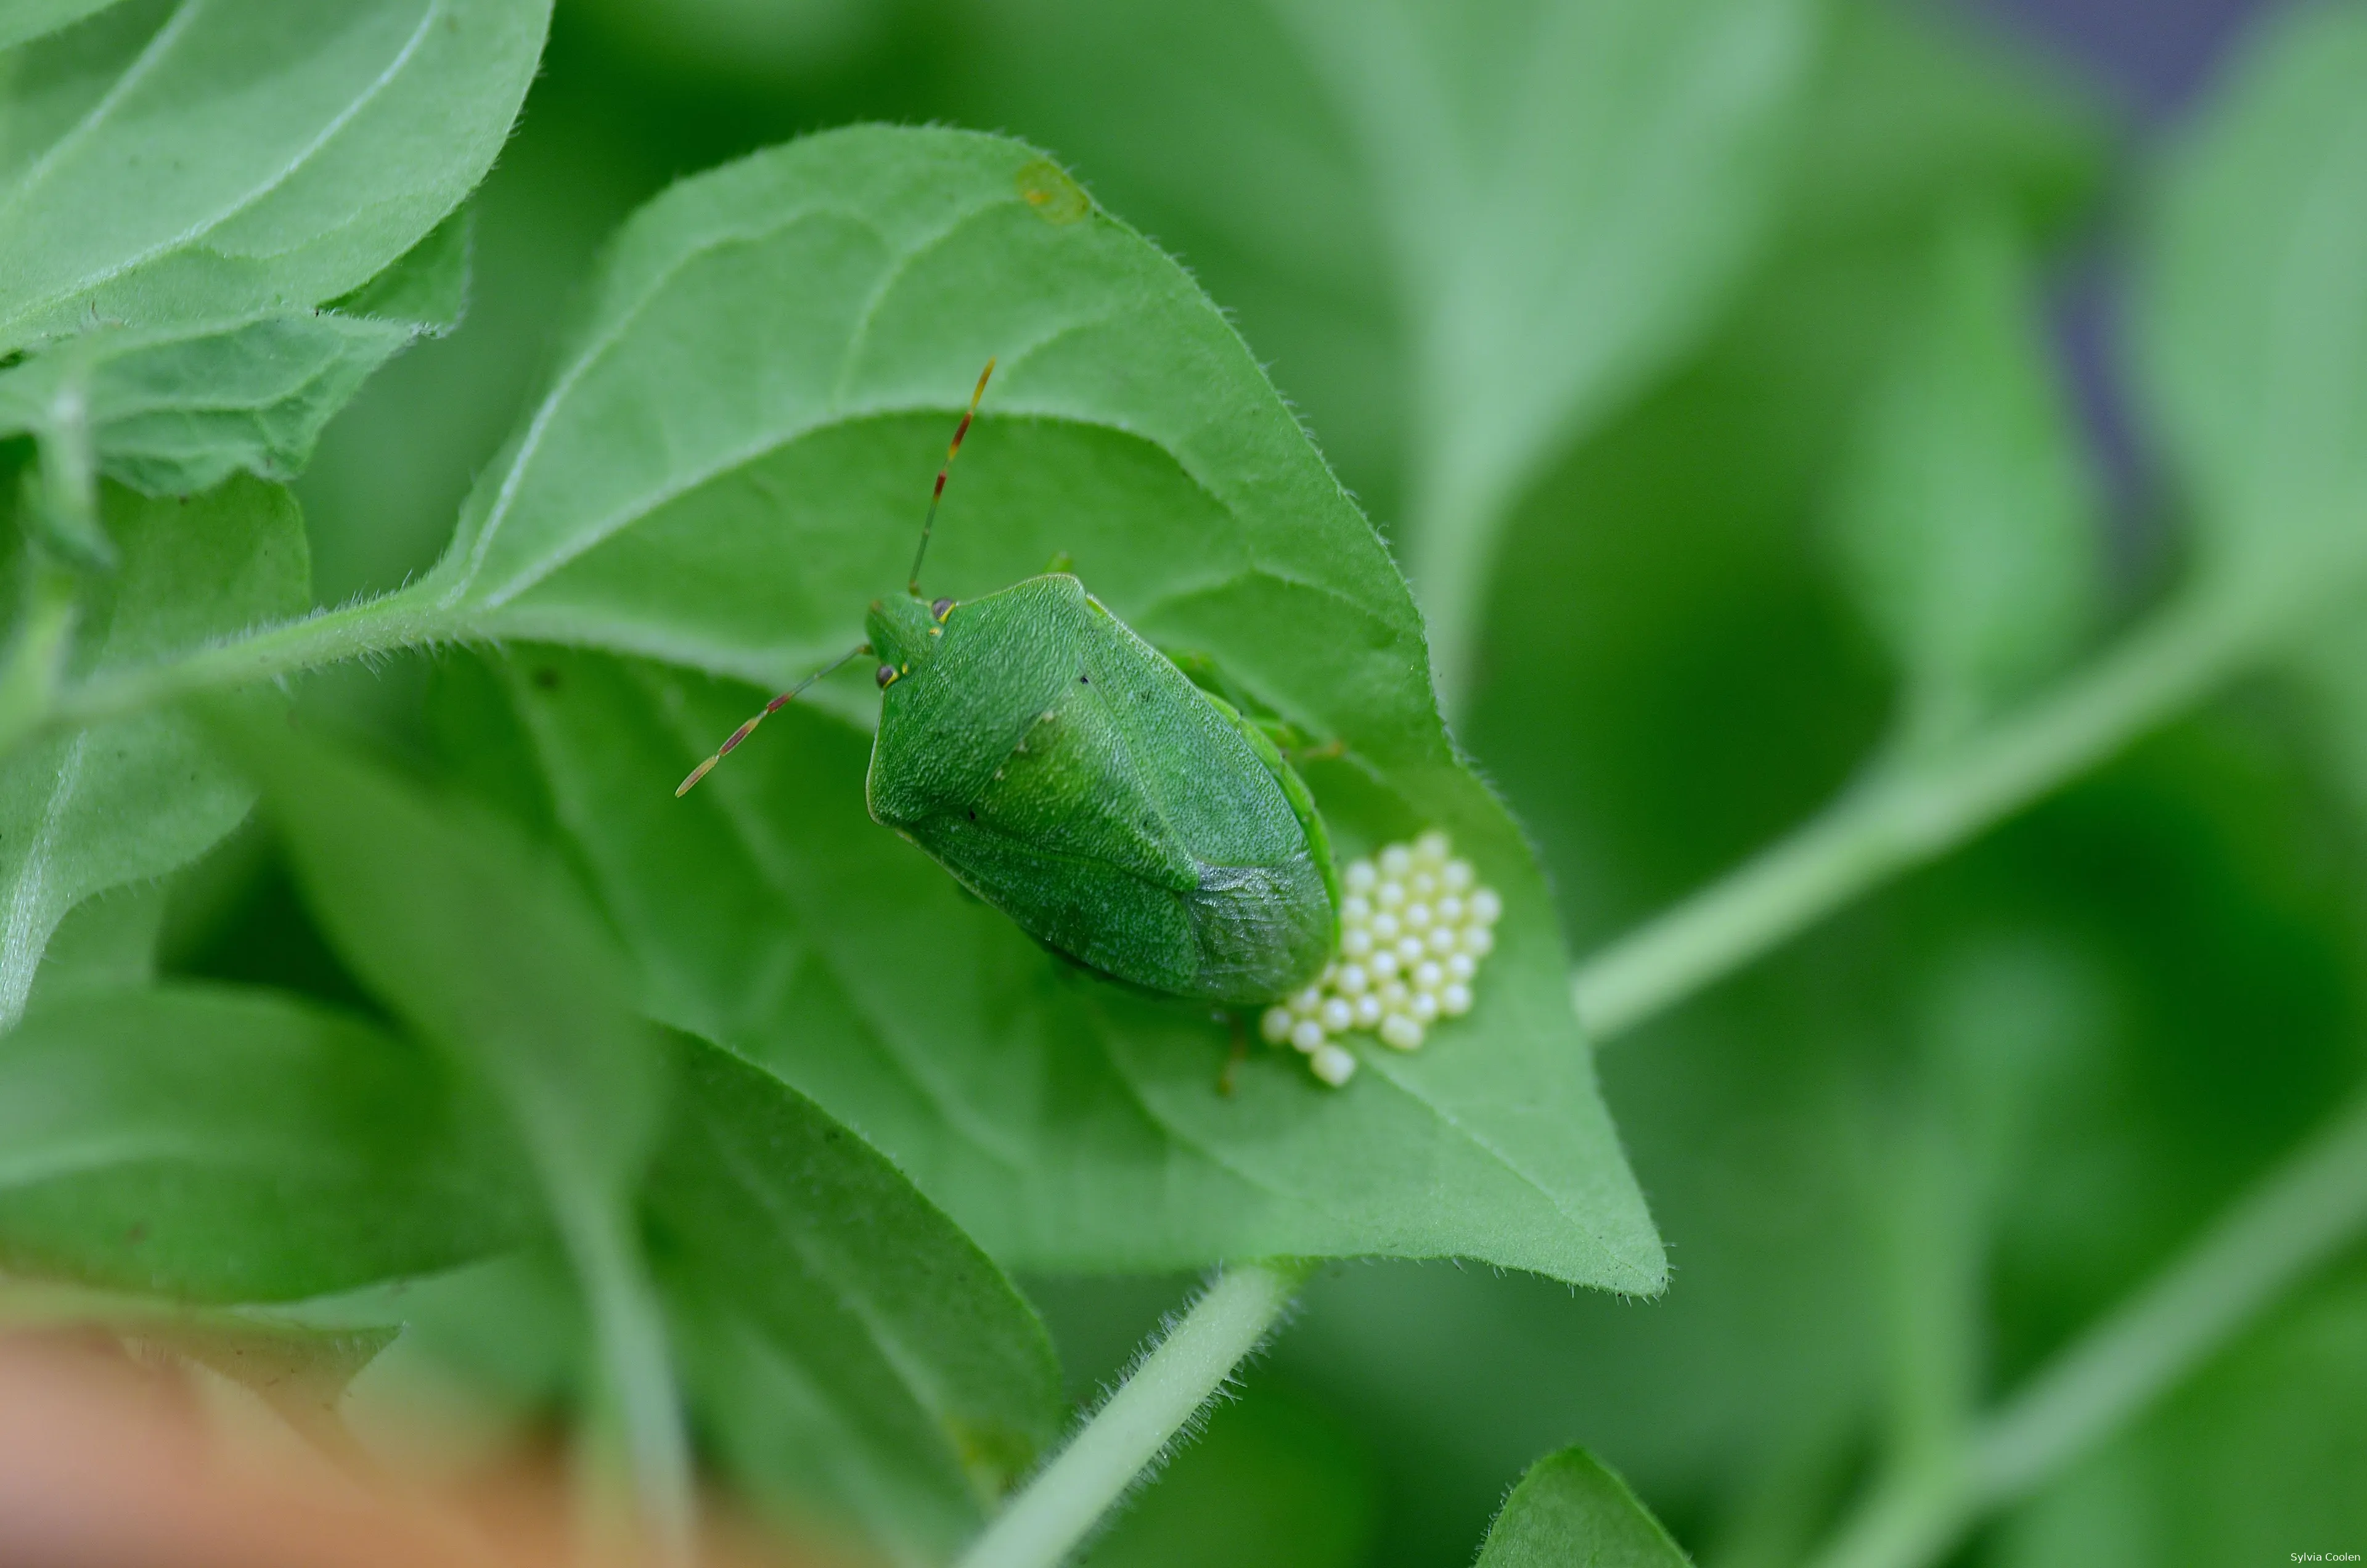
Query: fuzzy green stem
<point x="2309" y="1208"/>
<point x="405" y="619"/>
<point x="1183" y="1372"/>
<point x="1913" y="812"/>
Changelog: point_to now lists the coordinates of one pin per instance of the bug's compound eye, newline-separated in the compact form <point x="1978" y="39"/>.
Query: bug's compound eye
<point x="886" y="676"/>
<point x="940" y="608"/>
<point x="1414" y="925"/>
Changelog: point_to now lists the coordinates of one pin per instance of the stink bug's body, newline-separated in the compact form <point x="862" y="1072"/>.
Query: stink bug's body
<point x="1069" y="775"/>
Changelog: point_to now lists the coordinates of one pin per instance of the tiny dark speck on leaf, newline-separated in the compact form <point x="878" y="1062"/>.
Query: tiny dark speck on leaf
<point x="1057" y="199"/>
<point x="546" y="678"/>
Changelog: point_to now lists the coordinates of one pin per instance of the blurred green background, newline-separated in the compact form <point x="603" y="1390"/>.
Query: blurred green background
<point x="2115" y="1012"/>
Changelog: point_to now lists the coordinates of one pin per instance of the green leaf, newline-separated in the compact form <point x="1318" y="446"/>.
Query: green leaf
<point x="83" y="812"/>
<point x="107" y="943"/>
<point x="727" y="471"/>
<point x="1568" y="191"/>
<point x="1967" y="521"/>
<point x="172" y="409"/>
<point x="426" y="288"/>
<point x="31" y="18"/>
<point x="2253" y="340"/>
<point x="1569" y="1509"/>
<point x="222" y="1145"/>
<point x="310" y="146"/>
<point x="850" y="1352"/>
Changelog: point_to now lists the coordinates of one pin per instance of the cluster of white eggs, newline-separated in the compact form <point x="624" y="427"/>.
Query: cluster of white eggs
<point x="1414" y="925"/>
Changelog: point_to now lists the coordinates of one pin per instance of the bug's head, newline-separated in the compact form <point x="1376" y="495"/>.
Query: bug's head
<point x="904" y="633"/>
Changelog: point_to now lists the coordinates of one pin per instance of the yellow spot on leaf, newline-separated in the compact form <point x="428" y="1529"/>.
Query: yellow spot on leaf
<point x="1057" y="199"/>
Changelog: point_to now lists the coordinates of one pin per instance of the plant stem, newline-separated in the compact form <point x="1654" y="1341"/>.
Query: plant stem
<point x="403" y="619"/>
<point x="1914" y="812"/>
<point x="37" y="653"/>
<point x="1060" y="1506"/>
<point x="2310" y="1207"/>
<point x="635" y="1368"/>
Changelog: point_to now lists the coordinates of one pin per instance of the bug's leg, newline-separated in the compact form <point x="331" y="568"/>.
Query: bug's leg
<point x="1296" y="744"/>
<point x="1203" y="670"/>
<point x="1229" y="1079"/>
<point x="732" y="741"/>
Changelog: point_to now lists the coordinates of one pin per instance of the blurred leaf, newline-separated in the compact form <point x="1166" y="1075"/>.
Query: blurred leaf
<point x="2331" y="668"/>
<point x="107" y="943"/>
<point x="769" y="45"/>
<point x="227" y="1145"/>
<point x="727" y="471"/>
<point x="310" y="146"/>
<point x="2254" y="318"/>
<point x="849" y="1350"/>
<point x="1691" y="683"/>
<point x="1568" y="191"/>
<point x="1915" y="109"/>
<point x="481" y="942"/>
<point x="1276" y="1482"/>
<point x="1569" y="1509"/>
<point x="501" y="1343"/>
<point x="1967" y="521"/>
<point x="488" y="948"/>
<point x="31" y="18"/>
<point x="2257" y="1460"/>
<point x="83" y="812"/>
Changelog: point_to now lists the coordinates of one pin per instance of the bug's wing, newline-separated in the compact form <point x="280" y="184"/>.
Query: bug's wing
<point x="1095" y="912"/>
<point x="1260" y="907"/>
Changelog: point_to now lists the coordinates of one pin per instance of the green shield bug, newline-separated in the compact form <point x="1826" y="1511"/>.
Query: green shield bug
<point x="1069" y="775"/>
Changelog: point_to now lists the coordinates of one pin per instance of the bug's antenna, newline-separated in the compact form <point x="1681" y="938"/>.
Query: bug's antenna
<point x="913" y="586"/>
<point x="776" y="706"/>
